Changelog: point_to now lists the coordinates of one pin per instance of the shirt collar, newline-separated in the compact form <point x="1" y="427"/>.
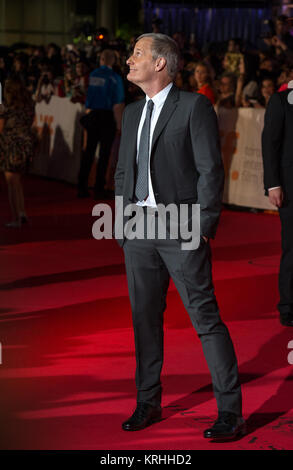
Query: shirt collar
<point x="160" y="97"/>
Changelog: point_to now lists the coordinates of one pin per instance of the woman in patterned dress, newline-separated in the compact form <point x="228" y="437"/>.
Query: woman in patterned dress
<point x="16" y="144"/>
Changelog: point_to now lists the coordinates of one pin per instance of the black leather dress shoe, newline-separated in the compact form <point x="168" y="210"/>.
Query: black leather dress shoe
<point x="227" y="426"/>
<point x="144" y="415"/>
<point x="286" y="320"/>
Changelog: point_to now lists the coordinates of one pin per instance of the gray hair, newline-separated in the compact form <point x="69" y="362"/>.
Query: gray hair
<point x="164" y="46"/>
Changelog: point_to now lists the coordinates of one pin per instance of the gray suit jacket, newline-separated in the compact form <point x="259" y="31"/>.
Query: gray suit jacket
<point x="185" y="165"/>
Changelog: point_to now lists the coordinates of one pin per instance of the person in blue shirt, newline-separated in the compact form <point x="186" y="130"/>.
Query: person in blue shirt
<point x="104" y="107"/>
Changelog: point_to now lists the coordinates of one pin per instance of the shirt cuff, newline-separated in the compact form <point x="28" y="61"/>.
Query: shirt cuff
<point x="275" y="187"/>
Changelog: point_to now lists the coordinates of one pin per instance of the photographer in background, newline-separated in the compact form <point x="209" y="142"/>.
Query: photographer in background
<point x="45" y="88"/>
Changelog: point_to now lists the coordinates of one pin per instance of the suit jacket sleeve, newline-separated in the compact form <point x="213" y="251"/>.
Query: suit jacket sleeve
<point x="272" y="141"/>
<point x="120" y="167"/>
<point x="208" y="161"/>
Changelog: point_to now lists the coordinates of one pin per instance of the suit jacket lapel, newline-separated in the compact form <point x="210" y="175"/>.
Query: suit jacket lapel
<point x="167" y="110"/>
<point x="132" y="139"/>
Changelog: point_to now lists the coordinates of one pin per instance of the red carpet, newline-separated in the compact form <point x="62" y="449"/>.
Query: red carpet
<point x="67" y="373"/>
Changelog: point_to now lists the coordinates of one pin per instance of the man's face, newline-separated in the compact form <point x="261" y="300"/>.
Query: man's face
<point x="141" y="63"/>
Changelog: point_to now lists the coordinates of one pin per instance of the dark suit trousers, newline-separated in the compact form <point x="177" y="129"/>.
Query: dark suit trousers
<point x="285" y="305"/>
<point x="149" y="265"/>
<point x="101" y="130"/>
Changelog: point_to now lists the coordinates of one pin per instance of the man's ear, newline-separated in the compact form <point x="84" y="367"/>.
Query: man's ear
<point x="160" y="64"/>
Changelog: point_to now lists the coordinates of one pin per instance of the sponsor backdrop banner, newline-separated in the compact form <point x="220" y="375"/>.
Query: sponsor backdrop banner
<point x="60" y="133"/>
<point x="240" y="132"/>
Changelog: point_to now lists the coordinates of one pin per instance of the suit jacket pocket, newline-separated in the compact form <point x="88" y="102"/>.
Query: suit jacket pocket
<point x="177" y="131"/>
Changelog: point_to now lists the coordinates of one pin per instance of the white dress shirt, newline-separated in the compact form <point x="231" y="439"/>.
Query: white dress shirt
<point x="158" y="100"/>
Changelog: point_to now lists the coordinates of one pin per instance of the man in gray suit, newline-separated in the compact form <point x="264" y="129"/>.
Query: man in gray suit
<point x="170" y="154"/>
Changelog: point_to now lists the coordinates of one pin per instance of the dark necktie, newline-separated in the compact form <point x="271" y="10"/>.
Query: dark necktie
<point x="142" y="182"/>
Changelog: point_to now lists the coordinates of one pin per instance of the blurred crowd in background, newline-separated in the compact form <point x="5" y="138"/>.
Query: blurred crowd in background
<point x="230" y="74"/>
